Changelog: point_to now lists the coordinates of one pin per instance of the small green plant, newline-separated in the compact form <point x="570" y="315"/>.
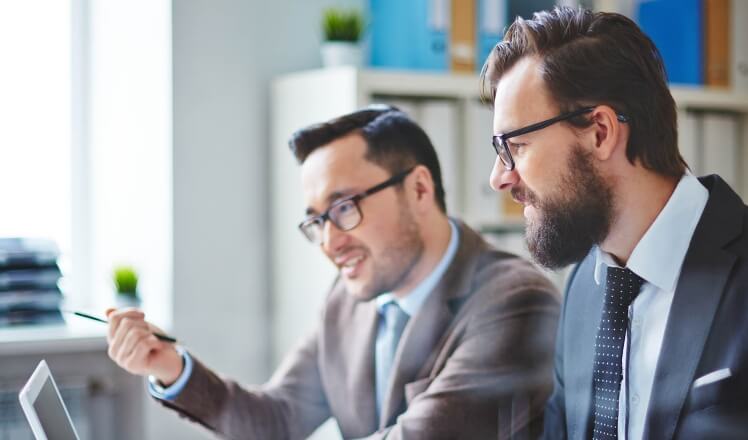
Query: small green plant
<point x="342" y="25"/>
<point x="125" y="280"/>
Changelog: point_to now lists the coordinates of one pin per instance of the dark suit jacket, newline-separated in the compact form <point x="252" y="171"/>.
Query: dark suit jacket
<point x="476" y="360"/>
<point x="707" y="331"/>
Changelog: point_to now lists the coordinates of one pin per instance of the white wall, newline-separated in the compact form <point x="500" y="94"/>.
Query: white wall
<point x="224" y="55"/>
<point x="129" y="183"/>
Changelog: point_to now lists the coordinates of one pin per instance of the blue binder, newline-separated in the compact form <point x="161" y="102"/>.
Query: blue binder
<point x="492" y="21"/>
<point x="409" y="34"/>
<point x="676" y="27"/>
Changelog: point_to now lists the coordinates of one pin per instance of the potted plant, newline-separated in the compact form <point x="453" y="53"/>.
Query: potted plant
<point x="126" y="284"/>
<point x="342" y="30"/>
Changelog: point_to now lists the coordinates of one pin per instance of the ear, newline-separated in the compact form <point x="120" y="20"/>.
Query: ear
<point x="610" y="134"/>
<point x="422" y="188"/>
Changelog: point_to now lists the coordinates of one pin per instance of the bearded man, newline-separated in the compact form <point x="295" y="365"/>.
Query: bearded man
<point x="428" y="332"/>
<point x="653" y="340"/>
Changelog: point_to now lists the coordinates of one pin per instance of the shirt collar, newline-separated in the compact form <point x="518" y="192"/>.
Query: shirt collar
<point x="413" y="301"/>
<point x="659" y="255"/>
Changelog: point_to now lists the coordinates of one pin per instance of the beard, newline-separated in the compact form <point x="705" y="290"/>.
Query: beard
<point x="570" y="222"/>
<point x="396" y="259"/>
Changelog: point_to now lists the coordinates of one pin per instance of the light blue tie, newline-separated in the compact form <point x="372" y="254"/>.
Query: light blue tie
<point x="392" y="323"/>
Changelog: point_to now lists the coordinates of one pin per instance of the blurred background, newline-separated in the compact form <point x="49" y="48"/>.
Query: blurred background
<point x="143" y="161"/>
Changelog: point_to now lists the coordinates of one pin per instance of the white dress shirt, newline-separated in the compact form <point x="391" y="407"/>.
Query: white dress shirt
<point x="657" y="258"/>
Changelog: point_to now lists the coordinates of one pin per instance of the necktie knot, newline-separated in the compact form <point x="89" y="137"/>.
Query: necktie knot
<point x="622" y="286"/>
<point x="394" y="316"/>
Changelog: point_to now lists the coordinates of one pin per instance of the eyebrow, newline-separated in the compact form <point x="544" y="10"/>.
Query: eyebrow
<point x="509" y="130"/>
<point x="505" y="130"/>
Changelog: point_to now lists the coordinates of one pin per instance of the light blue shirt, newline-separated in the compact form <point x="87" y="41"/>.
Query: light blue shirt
<point x="171" y="392"/>
<point x="413" y="301"/>
<point x="658" y="259"/>
<point x="410" y="304"/>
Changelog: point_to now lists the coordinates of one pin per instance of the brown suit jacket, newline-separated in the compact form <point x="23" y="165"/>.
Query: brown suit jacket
<point x="475" y="362"/>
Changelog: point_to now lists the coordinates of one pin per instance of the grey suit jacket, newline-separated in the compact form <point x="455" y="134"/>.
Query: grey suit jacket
<point x="700" y="389"/>
<point x="475" y="362"/>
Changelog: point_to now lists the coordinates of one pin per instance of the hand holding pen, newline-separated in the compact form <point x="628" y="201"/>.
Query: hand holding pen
<point x="135" y="345"/>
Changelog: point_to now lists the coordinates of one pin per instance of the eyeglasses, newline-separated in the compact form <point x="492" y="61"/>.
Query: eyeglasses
<point x="345" y="214"/>
<point x="503" y="149"/>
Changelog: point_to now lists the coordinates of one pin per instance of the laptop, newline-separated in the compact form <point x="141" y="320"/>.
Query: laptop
<point x="44" y="409"/>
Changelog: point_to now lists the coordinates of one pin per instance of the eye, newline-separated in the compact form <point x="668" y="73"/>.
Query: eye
<point x="515" y="147"/>
<point x="344" y="207"/>
<point x="312" y="222"/>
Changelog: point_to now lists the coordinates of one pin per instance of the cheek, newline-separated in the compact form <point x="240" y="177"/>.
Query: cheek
<point x="377" y="232"/>
<point x="540" y="173"/>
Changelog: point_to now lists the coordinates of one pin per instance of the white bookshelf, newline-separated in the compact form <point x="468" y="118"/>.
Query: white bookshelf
<point x="301" y="275"/>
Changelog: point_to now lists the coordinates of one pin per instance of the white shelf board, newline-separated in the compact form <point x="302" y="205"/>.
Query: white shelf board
<point x="73" y="335"/>
<point x="419" y="84"/>
<point x="467" y="86"/>
<point x="693" y="97"/>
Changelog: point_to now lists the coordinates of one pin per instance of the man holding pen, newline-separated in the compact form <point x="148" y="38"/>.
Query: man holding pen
<point x="428" y="332"/>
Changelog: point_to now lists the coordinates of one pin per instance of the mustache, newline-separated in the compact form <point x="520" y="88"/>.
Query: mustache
<point x="524" y="196"/>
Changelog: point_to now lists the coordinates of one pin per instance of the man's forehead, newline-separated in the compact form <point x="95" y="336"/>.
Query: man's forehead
<point x="521" y="96"/>
<point x="336" y="170"/>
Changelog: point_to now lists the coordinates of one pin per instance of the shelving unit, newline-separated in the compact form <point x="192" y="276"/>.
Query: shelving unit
<point x="301" y="275"/>
<point x="699" y="98"/>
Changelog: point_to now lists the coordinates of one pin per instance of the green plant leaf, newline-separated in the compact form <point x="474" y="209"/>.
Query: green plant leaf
<point x="125" y="280"/>
<point x="342" y="25"/>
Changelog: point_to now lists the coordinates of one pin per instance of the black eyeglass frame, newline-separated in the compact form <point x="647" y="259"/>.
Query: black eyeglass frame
<point x="356" y="198"/>
<point x="499" y="140"/>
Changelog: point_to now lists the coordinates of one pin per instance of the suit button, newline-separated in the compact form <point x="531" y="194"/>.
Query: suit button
<point x="634" y="399"/>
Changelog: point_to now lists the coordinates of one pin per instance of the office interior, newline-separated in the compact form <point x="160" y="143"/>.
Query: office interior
<point x="152" y="134"/>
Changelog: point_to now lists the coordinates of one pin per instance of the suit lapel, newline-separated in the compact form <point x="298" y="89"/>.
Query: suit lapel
<point x="705" y="273"/>
<point x="359" y="362"/>
<point x="424" y="331"/>
<point x="419" y="340"/>
<point x="581" y="353"/>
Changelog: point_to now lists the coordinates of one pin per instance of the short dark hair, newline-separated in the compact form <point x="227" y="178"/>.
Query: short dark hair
<point x="393" y="141"/>
<point x="590" y="58"/>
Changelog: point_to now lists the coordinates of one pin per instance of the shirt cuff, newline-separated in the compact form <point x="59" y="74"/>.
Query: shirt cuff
<point x="171" y="392"/>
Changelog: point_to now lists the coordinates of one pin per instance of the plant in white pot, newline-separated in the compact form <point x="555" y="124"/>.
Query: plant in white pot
<point x="126" y="284"/>
<point x="342" y="30"/>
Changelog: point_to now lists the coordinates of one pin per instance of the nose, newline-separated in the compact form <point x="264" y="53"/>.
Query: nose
<point x="333" y="239"/>
<point x="501" y="179"/>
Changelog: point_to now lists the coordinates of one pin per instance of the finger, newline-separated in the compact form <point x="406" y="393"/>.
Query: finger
<point x="133" y="337"/>
<point x="138" y="361"/>
<point x="130" y="331"/>
<point x="116" y="317"/>
<point x="126" y="326"/>
<point x="134" y="341"/>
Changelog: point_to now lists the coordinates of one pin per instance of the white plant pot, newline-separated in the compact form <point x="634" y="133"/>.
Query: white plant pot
<point x="338" y="53"/>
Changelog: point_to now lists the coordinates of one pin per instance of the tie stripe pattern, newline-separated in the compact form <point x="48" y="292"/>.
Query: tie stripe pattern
<point x="394" y="322"/>
<point x="621" y="287"/>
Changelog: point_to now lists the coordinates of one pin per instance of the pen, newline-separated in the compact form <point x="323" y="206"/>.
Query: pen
<point x="160" y="336"/>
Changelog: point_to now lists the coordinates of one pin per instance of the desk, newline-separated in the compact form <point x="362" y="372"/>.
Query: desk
<point x="105" y="402"/>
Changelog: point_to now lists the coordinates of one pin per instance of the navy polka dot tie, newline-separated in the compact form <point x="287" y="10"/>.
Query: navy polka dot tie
<point x="621" y="287"/>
